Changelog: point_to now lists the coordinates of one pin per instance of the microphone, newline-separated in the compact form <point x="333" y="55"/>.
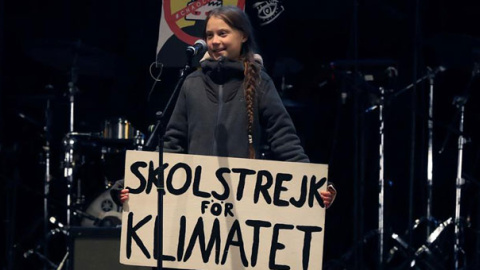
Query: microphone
<point x="198" y="48"/>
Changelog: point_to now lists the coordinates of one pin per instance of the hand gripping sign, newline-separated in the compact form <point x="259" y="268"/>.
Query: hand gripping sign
<point x="224" y="213"/>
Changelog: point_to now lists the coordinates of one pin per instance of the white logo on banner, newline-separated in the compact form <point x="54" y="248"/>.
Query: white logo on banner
<point x="268" y="11"/>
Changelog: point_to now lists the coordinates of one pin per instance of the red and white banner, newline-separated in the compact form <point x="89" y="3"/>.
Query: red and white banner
<point x="181" y="24"/>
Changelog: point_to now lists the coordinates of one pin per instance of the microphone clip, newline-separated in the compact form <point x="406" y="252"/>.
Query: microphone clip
<point x="197" y="48"/>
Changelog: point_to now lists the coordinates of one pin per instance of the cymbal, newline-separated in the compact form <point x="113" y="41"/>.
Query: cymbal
<point x="74" y="57"/>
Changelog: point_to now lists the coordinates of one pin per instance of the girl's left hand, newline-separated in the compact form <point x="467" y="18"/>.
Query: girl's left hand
<point x="328" y="196"/>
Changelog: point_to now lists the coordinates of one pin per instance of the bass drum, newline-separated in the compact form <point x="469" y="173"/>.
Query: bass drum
<point x="103" y="212"/>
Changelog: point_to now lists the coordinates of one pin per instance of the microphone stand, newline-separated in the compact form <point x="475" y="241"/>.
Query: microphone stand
<point x="69" y="167"/>
<point x="430" y="76"/>
<point x="158" y="132"/>
<point x="380" y="104"/>
<point x="381" y="177"/>
<point x="431" y="82"/>
<point x="47" y="178"/>
<point x="459" y="102"/>
<point x="457" y="248"/>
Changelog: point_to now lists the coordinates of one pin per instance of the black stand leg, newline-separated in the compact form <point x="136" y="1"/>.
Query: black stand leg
<point x="158" y="133"/>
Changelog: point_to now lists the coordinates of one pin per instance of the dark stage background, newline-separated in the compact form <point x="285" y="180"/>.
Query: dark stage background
<point x="318" y="53"/>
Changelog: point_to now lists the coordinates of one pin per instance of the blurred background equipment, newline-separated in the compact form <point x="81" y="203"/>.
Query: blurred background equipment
<point x="385" y="92"/>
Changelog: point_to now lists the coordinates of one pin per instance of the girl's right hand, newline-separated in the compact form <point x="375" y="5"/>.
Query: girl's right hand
<point x="124" y="195"/>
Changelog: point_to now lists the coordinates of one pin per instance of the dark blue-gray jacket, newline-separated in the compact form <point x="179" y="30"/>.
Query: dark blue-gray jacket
<point x="210" y="116"/>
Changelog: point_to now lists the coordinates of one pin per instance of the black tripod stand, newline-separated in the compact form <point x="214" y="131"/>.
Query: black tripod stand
<point x="458" y="251"/>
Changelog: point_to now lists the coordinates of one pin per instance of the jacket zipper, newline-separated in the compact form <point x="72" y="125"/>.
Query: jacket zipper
<point x="219" y="114"/>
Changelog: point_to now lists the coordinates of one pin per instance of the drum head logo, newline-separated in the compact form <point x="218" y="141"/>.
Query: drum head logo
<point x="107" y="205"/>
<point x="186" y="18"/>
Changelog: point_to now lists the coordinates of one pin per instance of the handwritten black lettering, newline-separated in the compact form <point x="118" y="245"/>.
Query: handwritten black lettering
<point x="303" y="194"/>
<point x="216" y="246"/>
<point x="241" y="180"/>
<point x="204" y="206"/>
<point x="308" y="230"/>
<point x="228" y="209"/>
<point x="314" y="193"/>
<point x="256" y="224"/>
<point x="132" y="234"/>
<point x="216" y="209"/>
<point x="181" y="238"/>
<point x="281" y="177"/>
<point x="277" y="246"/>
<point x="261" y="187"/>
<point x="152" y="177"/>
<point x="235" y="230"/>
<point x="187" y="181"/>
<point x="199" y="233"/>
<point x="226" y="193"/>
<point x="134" y="168"/>
<point x="196" y="184"/>
<point x="156" y="250"/>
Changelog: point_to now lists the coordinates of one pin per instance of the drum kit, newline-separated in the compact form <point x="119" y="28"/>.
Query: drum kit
<point x="91" y="162"/>
<point x="85" y="152"/>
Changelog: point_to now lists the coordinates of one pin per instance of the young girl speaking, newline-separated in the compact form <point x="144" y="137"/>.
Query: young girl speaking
<point x="230" y="106"/>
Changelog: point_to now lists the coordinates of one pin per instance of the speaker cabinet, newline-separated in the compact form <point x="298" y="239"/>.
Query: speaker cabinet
<point x="97" y="248"/>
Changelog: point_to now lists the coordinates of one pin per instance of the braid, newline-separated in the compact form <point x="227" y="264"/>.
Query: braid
<point x="250" y="82"/>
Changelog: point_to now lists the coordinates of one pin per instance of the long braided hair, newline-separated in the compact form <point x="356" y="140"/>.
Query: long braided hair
<point x="237" y="19"/>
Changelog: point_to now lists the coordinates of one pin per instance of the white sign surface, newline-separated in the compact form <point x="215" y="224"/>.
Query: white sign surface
<point x="224" y="213"/>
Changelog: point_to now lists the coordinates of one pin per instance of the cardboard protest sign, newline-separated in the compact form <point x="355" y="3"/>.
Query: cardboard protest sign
<point x="224" y="213"/>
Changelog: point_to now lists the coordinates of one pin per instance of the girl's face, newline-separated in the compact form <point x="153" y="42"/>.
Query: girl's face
<point x="222" y="40"/>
